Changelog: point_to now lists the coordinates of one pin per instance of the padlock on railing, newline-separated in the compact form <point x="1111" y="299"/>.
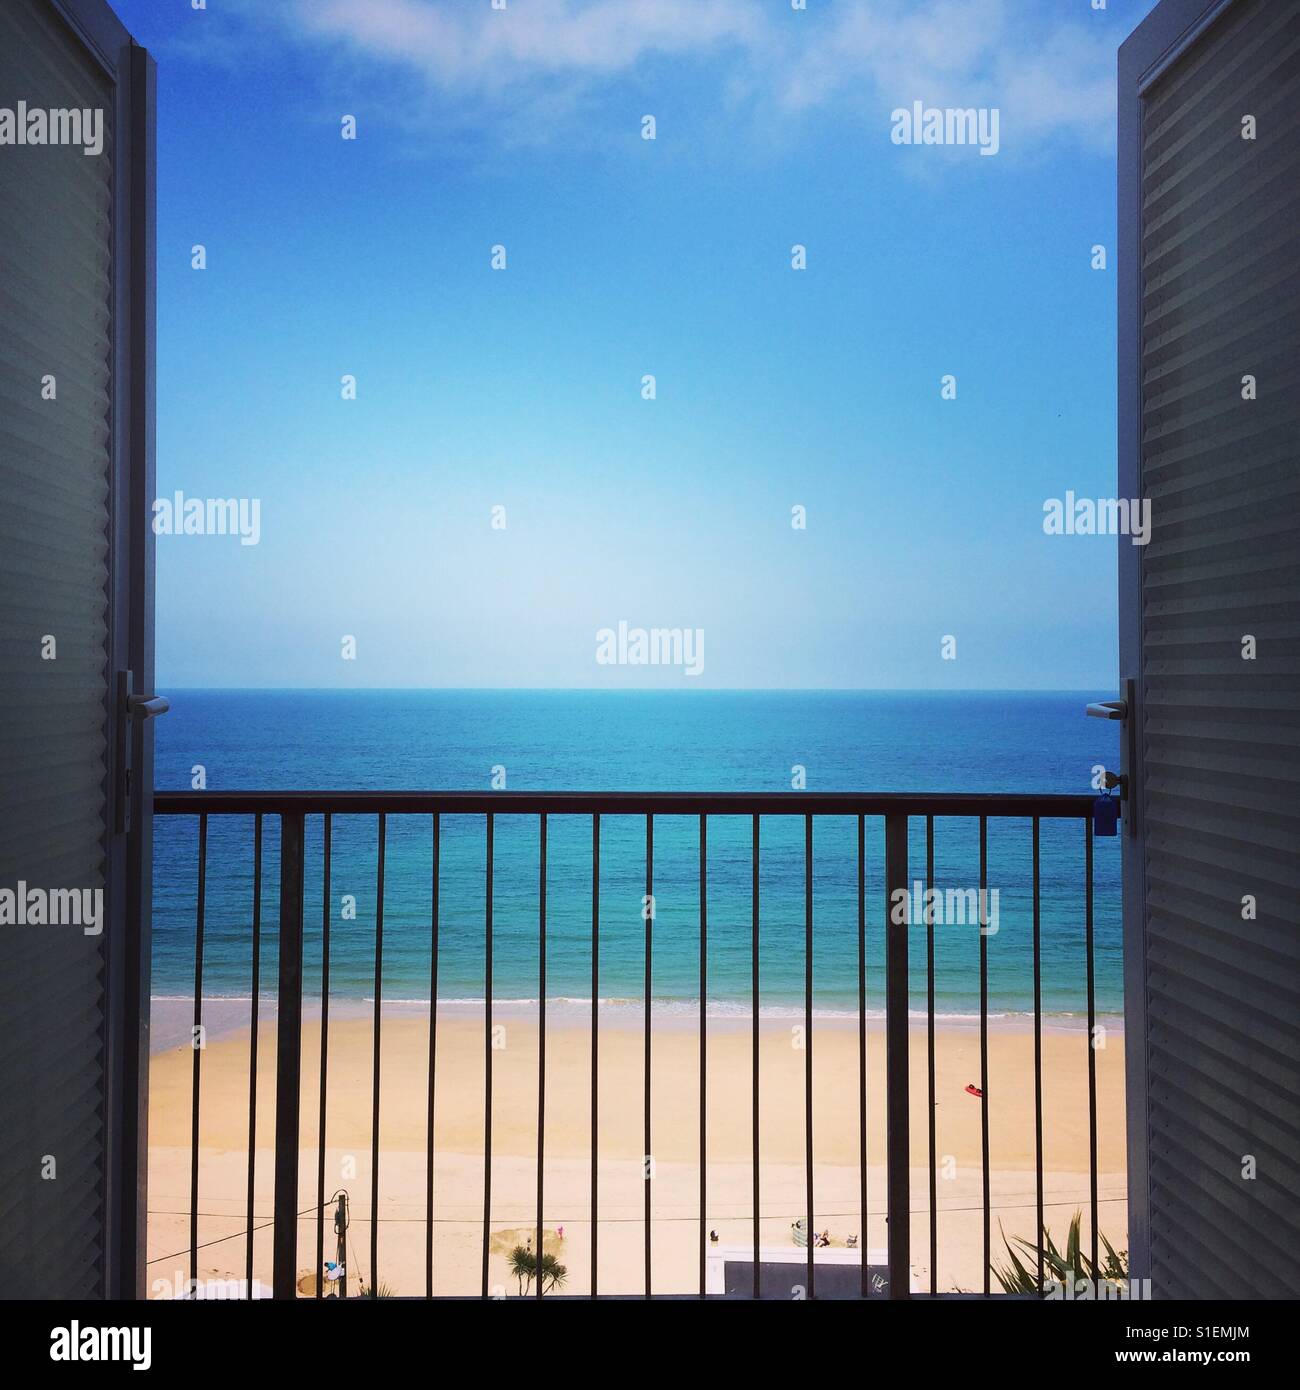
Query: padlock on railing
<point x="1105" y="810"/>
<point x="1105" y="814"/>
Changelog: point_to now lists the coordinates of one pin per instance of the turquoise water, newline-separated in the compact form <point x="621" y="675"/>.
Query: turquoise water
<point x="635" y="741"/>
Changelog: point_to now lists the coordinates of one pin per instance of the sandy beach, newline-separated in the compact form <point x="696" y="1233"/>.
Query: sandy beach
<point x="675" y="1082"/>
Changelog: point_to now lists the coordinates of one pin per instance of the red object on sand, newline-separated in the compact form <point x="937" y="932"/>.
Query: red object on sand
<point x="973" y="1090"/>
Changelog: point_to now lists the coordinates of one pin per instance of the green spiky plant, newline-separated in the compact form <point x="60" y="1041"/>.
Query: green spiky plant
<point x="1065" y="1267"/>
<point x="523" y="1266"/>
<point x="553" y="1273"/>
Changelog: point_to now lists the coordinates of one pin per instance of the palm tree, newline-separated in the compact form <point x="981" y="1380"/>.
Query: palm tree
<point x="524" y="1267"/>
<point x="553" y="1273"/>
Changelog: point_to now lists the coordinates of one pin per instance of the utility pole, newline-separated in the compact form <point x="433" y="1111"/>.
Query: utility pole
<point x="341" y="1230"/>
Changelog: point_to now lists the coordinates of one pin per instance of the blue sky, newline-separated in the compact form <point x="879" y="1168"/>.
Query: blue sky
<point x="521" y="388"/>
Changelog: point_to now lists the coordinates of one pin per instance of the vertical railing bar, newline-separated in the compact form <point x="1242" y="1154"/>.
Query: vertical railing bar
<point x="374" y="1083"/>
<point x="433" y="1062"/>
<point x="252" y="1047"/>
<point x="324" y="1056"/>
<point x="929" y="1029"/>
<point x="196" y="1044"/>
<point x="487" y="1057"/>
<point x="808" y="1048"/>
<point x="704" y="1049"/>
<point x="648" y="914"/>
<point x="1038" y="1058"/>
<point x="864" y="1280"/>
<point x="595" y="1040"/>
<point x="541" y="1044"/>
<point x="288" y="1056"/>
<point x="1092" y="1048"/>
<point x="897" y="1119"/>
<point x="754" y="998"/>
<point x="984" y="1045"/>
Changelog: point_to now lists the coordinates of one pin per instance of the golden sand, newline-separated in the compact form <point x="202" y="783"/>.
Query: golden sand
<point x="675" y="1080"/>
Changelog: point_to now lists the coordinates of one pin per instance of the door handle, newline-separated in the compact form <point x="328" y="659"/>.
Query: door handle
<point x="130" y="707"/>
<point x="148" y="706"/>
<point x="1128" y="779"/>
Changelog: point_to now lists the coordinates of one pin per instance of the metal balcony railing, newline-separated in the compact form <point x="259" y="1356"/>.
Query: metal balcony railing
<point x="897" y="810"/>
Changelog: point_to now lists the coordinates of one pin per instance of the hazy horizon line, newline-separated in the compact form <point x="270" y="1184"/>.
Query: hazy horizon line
<point x="661" y="690"/>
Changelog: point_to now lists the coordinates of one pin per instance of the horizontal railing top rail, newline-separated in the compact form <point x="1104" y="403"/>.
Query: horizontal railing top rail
<point x="791" y="803"/>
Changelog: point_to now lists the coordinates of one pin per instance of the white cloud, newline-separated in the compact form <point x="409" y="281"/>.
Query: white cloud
<point x="1052" y="77"/>
<point x="472" y="45"/>
<point x="1048" y="77"/>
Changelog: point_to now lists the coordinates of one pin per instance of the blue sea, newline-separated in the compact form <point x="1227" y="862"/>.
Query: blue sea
<point x="635" y="741"/>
